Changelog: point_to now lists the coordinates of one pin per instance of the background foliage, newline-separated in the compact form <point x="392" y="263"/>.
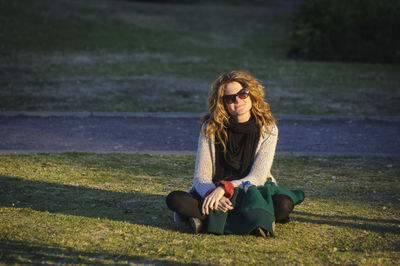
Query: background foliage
<point x="348" y="30"/>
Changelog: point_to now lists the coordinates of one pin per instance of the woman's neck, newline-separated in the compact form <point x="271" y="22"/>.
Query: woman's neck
<point x="243" y="118"/>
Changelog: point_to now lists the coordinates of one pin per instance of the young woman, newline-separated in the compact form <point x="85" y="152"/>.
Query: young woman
<point x="237" y="144"/>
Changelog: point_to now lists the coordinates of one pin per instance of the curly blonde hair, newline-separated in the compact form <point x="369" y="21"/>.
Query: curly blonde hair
<point x="216" y="121"/>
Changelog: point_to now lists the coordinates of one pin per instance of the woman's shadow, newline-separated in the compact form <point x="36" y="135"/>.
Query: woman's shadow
<point x="134" y="207"/>
<point x="18" y="251"/>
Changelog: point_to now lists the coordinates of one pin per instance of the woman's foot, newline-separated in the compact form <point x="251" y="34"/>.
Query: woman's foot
<point x="283" y="221"/>
<point x="196" y="224"/>
<point x="261" y="232"/>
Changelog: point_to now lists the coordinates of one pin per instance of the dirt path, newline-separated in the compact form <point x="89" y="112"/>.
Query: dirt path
<point x="178" y="135"/>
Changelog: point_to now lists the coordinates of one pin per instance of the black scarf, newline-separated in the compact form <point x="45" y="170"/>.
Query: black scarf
<point x="241" y="146"/>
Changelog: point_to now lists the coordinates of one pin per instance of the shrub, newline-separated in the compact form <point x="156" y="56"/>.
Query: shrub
<point x="347" y="30"/>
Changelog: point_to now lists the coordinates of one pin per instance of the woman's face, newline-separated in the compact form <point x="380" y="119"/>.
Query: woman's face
<point x="240" y="108"/>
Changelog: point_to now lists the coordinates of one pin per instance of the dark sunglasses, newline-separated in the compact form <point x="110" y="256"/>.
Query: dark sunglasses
<point x="243" y="94"/>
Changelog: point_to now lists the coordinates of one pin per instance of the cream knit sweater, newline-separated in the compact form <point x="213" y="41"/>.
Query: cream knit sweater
<point x="260" y="170"/>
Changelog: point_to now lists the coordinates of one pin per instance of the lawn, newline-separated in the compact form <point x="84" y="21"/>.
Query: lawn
<point x="83" y="208"/>
<point x="144" y="56"/>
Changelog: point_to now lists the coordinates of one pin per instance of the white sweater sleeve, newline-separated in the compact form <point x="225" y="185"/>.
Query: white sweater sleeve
<point x="202" y="180"/>
<point x="261" y="168"/>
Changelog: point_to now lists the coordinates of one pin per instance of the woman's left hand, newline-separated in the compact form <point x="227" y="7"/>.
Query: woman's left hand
<point x="225" y="204"/>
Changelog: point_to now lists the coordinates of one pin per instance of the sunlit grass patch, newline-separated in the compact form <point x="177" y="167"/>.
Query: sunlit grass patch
<point x="109" y="208"/>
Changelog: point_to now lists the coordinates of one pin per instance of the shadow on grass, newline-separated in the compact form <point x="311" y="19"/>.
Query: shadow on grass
<point x="28" y="253"/>
<point x="356" y="222"/>
<point x="136" y="208"/>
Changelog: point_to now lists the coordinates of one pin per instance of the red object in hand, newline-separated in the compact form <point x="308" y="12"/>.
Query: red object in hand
<point x="229" y="188"/>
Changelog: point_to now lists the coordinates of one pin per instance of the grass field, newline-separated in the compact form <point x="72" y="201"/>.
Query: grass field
<point x="80" y="208"/>
<point x="103" y="55"/>
<point x="142" y="56"/>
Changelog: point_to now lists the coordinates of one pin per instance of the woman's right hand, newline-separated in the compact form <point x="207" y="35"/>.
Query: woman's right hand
<point x="211" y="202"/>
<point x="216" y="201"/>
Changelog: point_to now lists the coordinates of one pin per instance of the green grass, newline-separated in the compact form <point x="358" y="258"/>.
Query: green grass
<point x="102" y="55"/>
<point x="80" y="208"/>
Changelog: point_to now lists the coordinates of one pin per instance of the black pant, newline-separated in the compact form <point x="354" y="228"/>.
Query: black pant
<point x="189" y="205"/>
